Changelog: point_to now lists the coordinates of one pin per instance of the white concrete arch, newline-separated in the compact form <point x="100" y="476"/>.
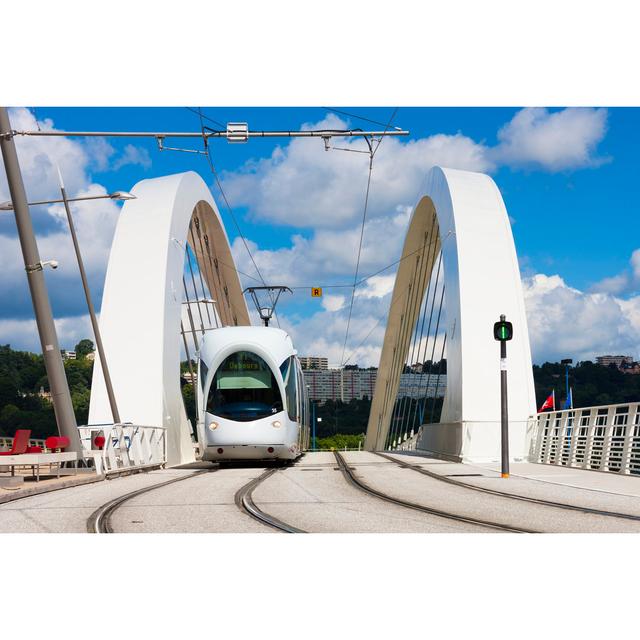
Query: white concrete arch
<point x="142" y="303"/>
<point x="482" y="281"/>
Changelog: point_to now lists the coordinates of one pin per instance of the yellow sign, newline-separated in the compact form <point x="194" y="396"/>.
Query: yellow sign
<point x="316" y="292"/>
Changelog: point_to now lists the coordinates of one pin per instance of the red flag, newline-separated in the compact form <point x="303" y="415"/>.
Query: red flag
<point x="549" y="403"/>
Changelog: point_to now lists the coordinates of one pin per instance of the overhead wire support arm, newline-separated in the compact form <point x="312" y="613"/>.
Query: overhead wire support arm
<point x="266" y="312"/>
<point x="314" y="133"/>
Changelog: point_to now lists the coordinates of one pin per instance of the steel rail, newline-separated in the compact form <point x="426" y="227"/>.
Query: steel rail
<point x="513" y="496"/>
<point x="351" y="477"/>
<point x="100" y="520"/>
<point x="245" y="503"/>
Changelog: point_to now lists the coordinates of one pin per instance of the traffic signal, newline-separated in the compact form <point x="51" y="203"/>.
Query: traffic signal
<point x="503" y="330"/>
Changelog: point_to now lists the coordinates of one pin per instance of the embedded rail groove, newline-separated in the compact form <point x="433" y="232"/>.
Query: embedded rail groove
<point x="351" y="477"/>
<point x="245" y="503"/>
<point x="513" y="496"/>
<point x="100" y="520"/>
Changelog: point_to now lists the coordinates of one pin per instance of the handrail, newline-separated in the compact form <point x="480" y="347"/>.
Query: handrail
<point x="127" y="446"/>
<point x="603" y="438"/>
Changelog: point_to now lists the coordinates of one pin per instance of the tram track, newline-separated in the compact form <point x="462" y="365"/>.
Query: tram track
<point x="350" y="476"/>
<point x="513" y="496"/>
<point x="100" y="520"/>
<point x="245" y="503"/>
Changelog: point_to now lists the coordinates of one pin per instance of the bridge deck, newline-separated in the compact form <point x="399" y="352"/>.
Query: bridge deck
<point x="315" y="496"/>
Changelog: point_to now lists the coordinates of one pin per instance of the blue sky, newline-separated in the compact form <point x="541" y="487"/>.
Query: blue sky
<point x="568" y="178"/>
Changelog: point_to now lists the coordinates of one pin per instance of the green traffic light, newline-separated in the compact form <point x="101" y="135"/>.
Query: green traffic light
<point x="503" y="331"/>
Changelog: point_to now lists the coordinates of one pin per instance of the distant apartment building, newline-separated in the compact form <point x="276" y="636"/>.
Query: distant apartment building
<point x="68" y="355"/>
<point x="314" y="362"/>
<point x="340" y="384"/>
<point x="91" y="356"/>
<point x="347" y="384"/>
<point x="619" y="361"/>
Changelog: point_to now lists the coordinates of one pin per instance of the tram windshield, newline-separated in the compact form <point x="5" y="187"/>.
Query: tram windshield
<point x="244" y="389"/>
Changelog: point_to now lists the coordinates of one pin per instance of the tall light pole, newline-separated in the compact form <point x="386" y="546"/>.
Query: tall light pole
<point x="60" y="395"/>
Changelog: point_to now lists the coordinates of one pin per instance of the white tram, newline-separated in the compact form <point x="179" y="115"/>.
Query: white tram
<point x="252" y="400"/>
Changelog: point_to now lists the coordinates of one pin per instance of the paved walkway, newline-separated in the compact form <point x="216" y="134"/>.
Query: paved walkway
<point x="581" y="488"/>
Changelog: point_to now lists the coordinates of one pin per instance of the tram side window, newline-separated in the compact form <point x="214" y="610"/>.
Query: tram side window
<point x="291" y="391"/>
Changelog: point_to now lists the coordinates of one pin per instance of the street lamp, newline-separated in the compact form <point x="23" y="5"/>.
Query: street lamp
<point x="116" y="195"/>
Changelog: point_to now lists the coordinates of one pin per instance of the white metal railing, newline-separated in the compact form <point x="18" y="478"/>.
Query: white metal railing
<point x="605" y="438"/>
<point x="126" y="447"/>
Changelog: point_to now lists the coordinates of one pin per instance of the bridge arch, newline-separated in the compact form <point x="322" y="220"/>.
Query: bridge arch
<point x="461" y="217"/>
<point x="142" y="304"/>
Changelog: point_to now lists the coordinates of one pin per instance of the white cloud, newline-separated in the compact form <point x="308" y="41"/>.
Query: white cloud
<point x="330" y="254"/>
<point x="40" y="157"/>
<point x="555" y="141"/>
<point x="565" y="322"/>
<point x="304" y="186"/>
<point x="332" y="302"/>
<point x="133" y="155"/>
<point x="95" y="223"/>
<point x="23" y="334"/>
<point x="626" y="282"/>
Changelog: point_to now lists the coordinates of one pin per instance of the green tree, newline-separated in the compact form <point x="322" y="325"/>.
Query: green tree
<point x="83" y="348"/>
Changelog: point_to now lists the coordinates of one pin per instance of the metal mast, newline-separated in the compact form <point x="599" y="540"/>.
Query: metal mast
<point x="60" y="395"/>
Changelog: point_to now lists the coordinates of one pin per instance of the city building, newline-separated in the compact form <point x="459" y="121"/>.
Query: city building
<point x="340" y="384"/>
<point x="347" y="384"/>
<point x="68" y="355"/>
<point x="91" y="356"/>
<point x="313" y="362"/>
<point x="619" y="361"/>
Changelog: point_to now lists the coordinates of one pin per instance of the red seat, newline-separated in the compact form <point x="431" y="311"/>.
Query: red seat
<point x="34" y="449"/>
<point x="57" y="443"/>
<point x="20" y="443"/>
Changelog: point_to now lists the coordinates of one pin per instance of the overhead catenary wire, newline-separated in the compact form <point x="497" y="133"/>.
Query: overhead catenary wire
<point x="362" y="227"/>
<point x="229" y="209"/>
<point x="202" y="116"/>
<point x="353" y="115"/>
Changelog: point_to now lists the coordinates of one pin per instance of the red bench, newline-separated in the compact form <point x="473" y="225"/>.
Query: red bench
<point x="21" y="454"/>
<point x="20" y="443"/>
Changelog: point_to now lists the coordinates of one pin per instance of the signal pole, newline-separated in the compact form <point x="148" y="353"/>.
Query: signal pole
<point x="503" y="331"/>
<point x="60" y="395"/>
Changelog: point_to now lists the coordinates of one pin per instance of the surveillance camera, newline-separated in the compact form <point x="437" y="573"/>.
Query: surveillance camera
<point x="54" y="264"/>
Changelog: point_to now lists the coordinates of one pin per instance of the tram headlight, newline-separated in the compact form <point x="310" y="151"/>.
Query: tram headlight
<point x="213" y="426"/>
<point x="276" y="423"/>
